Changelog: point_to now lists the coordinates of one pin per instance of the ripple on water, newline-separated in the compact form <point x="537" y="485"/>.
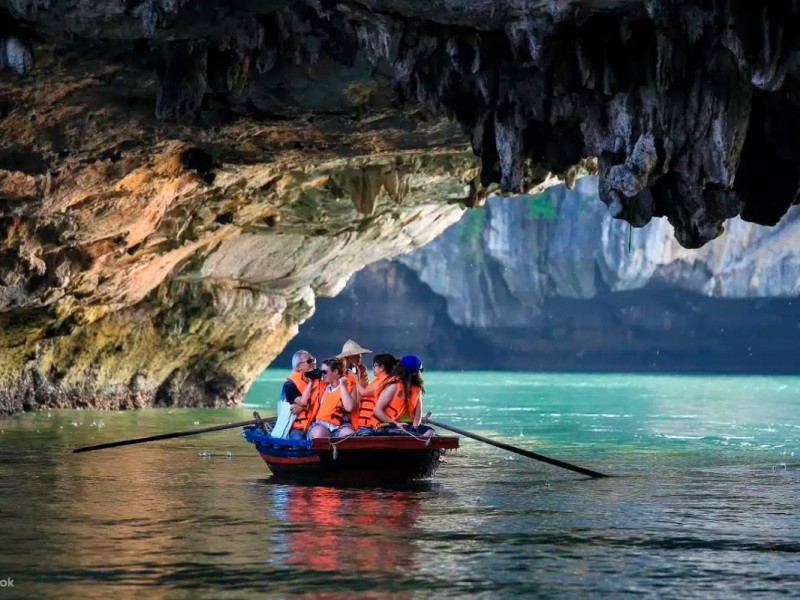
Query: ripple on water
<point x="704" y="499"/>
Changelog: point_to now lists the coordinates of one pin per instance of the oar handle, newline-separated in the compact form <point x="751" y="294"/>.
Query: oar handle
<point x="520" y="451"/>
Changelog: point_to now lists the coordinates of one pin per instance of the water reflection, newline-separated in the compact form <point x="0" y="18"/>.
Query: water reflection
<point x="144" y="521"/>
<point x="364" y="532"/>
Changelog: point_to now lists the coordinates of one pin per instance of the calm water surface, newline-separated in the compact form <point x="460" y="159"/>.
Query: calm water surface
<point x="705" y="503"/>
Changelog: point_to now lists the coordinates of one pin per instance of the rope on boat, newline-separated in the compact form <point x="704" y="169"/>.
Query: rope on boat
<point x="427" y="440"/>
<point x="340" y="440"/>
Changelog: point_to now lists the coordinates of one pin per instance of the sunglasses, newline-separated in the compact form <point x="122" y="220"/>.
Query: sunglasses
<point x="310" y="361"/>
<point x="324" y="371"/>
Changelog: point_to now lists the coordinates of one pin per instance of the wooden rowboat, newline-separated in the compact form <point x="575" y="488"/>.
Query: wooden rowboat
<point x="355" y="459"/>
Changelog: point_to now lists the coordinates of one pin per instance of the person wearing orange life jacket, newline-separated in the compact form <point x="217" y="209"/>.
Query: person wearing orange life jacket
<point x="382" y="366"/>
<point x="335" y="403"/>
<point x="356" y="373"/>
<point x="400" y="404"/>
<point x="298" y="390"/>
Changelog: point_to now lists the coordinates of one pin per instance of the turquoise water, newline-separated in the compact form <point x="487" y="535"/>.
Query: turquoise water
<point x="704" y="502"/>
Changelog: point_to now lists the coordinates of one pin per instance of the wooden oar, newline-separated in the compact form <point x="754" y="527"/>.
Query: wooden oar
<point x="520" y="451"/>
<point x="169" y="436"/>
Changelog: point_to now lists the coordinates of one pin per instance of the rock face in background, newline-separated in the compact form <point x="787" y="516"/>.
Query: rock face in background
<point x="552" y="282"/>
<point x="180" y="178"/>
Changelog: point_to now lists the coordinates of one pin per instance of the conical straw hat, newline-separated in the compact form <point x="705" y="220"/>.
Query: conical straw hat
<point x="352" y="348"/>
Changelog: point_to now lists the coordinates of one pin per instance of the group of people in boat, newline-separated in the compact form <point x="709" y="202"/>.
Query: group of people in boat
<point x="338" y="399"/>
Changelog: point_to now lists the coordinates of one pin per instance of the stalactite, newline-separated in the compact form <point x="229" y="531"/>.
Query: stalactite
<point x="148" y="14"/>
<point x="183" y="83"/>
<point x="18" y="56"/>
<point x="27" y="9"/>
<point x="532" y="92"/>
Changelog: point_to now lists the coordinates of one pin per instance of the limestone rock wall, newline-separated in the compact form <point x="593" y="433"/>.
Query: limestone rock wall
<point x="554" y="282"/>
<point x="499" y="263"/>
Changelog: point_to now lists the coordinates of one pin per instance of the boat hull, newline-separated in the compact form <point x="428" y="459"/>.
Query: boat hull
<point x="356" y="459"/>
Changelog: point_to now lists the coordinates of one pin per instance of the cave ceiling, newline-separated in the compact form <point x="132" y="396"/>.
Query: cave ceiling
<point x="690" y="108"/>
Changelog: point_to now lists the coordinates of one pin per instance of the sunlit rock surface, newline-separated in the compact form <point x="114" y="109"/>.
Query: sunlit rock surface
<point x="179" y="179"/>
<point x="153" y="286"/>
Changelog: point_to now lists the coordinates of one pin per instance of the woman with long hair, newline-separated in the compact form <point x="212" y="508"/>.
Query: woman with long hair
<point x="399" y="406"/>
<point x="382" y="366"/>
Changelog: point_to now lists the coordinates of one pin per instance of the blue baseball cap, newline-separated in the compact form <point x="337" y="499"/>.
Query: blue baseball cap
<point x="412" y="362"/>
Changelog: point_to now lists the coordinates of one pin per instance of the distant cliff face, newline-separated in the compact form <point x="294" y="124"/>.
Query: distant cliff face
<point x="555" y="280"/>
<point x="498" y="264"/>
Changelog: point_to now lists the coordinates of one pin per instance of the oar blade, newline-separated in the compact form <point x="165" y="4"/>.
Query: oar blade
<point x="522" y="452"/>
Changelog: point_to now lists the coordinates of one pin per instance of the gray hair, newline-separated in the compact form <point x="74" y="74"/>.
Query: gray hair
<point x="297" y="357"/>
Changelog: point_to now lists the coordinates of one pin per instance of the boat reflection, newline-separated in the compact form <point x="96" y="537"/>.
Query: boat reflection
<point x="364" y="531"/>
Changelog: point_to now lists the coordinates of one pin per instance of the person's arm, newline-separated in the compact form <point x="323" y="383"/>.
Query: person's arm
<point x="369" y="390"/>
<point x="305" y="398"/>
<point x="416" y="418"/>
<point x="317" y="388"/>
<point x="356" y="395"/>
<point x="383" y="402"/>
<point x="347" y="399"/>
<point x="300" y="403"/>
<point x="290" y="392"/>
<point x="364" y="390"/>
<point x="363" y="378"/>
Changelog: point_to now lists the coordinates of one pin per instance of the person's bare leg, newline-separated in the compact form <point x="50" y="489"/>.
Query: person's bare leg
<point x="344" y="430"/>
<point x="319" y="432"/>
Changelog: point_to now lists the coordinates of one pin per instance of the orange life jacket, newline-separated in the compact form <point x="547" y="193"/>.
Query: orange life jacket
<point x="352" y="380"/>
<point x="401" y="408"/>
<point x="331" y="409"/>
<point x="366" y="417"/>
<point x="305" y="416"/>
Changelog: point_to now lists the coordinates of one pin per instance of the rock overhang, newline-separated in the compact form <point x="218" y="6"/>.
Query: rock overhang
<point x="689" y="107"/>
<point x="153" y="148"/>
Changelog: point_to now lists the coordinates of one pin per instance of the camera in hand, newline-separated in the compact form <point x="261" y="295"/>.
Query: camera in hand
<point x="314" y="374"/>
